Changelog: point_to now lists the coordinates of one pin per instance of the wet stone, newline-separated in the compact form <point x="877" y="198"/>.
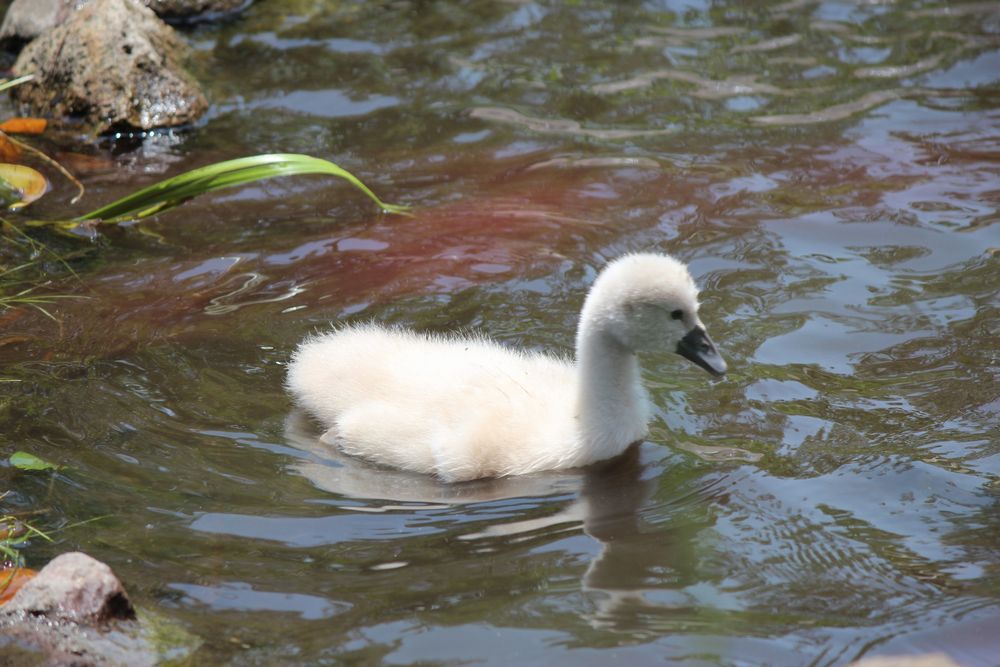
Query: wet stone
<point x="74" y="587"/>
<point x="27" y="19"/>
<point x="139" y="84"/>
<point x="75" y="612"/>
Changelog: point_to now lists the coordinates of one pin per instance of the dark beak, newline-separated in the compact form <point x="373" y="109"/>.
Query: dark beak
<point x="696" y="346"/>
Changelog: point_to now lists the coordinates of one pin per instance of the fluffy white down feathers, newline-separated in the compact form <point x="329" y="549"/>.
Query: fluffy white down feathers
<point x="463" y="408"/>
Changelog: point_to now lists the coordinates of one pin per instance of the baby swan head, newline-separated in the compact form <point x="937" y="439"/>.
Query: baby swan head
<point x="648" y="302"/>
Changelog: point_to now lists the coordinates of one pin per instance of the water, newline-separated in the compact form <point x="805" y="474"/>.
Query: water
<point x="830" y="172"/>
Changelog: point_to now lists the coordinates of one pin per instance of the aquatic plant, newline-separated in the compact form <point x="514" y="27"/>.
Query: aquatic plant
<point x="13" y="534"/>
<point x="159" y="197"/>
<point x="176" y="190"/>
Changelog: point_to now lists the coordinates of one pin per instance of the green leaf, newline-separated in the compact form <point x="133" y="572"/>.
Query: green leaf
<point x="178" y="189"/>
<point x="26" y="461"/>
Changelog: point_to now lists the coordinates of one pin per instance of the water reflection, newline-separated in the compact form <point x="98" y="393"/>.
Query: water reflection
<point x="605" y="501"/>
<point x="242" y="597"/>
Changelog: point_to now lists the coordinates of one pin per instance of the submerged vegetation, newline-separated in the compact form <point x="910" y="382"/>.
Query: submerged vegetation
<point x="15" y="532"/>
<point x="22" y="252"/>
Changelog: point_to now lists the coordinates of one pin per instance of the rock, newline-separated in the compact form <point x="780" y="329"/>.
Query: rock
<point x="27" y="19"/>
<point x="112" y="63"/>
<point x="183" y="9"/>
<point x="74" y="587"/>
<point x="76" y="612"/>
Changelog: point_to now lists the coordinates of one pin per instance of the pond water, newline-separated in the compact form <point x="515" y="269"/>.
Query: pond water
<point x="829" y="170"/>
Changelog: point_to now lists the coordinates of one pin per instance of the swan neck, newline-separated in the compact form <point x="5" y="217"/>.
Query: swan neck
<point x="612" y="404"/>
<point x="607" y="368"/>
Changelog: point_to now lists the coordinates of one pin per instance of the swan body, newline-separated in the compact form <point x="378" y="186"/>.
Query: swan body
<point x="464" y="408"/>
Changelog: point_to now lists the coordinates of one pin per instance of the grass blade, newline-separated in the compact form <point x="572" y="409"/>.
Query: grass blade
<point x="174" y="191"/>
<point x="4" y="85"/>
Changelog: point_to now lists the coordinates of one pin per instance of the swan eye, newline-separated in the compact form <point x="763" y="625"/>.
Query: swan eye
<point x="677" y="314"/>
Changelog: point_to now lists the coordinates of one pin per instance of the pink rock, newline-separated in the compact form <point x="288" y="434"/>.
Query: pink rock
<point x="74" y="587"/>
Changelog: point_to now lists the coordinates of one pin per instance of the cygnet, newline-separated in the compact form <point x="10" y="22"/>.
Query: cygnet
<point x="465" y="407"/>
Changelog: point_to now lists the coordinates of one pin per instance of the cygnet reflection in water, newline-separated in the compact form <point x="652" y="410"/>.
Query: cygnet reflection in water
<point x="605" y="501"/>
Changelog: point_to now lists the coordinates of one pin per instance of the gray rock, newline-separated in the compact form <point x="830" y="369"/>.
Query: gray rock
<point x="74" y="587"/>
<point x="111" y="63"/>
<point x="27" y="19"/>
<point x="75" y="612"/>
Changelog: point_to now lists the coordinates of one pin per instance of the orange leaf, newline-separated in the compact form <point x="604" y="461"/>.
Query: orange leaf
<point x="11" y="580"/>
<point x="9" y="151"/>
<point x="24" y="125"/>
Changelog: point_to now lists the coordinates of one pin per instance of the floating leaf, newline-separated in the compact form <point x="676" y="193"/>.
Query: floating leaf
<point x="11" y="580"/>
<point x="24" y="125"/>
<point x="176" y="190"/>
<point x="27" y="182"/>
<point x="26" y="461"/>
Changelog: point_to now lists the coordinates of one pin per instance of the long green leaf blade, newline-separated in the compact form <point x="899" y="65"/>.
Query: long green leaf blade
<point x="178" y="189"/>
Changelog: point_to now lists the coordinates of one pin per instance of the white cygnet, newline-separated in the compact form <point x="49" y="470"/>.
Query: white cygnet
<point x="463" y="408"/>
